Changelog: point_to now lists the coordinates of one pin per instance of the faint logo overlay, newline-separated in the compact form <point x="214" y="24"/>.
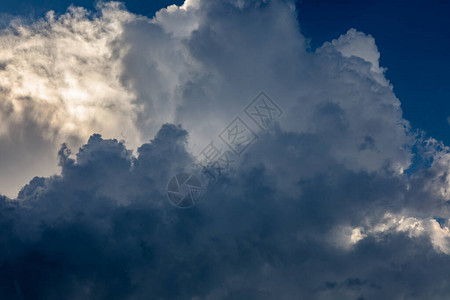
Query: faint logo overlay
<point x="184" y="190"/>
<point x="260" y="114"/>
<point x="218" y="157"/>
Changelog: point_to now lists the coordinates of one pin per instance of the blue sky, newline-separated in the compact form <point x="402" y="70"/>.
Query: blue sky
<point x="414" y="40"/>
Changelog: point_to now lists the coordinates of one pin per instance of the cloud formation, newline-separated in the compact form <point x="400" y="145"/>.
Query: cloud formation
<point x="121" y="75"/>
<point x="339" y="200"/>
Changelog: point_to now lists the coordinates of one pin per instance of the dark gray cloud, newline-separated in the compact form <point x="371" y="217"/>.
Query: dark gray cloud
<point x="104" y="229"/>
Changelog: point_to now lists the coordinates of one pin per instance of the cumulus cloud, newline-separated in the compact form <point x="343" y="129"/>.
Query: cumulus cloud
<point x="60" y="82"/>
<point x="338" y="200"/>
<point x="121" y="75"/>
<point x="104" y="228"/>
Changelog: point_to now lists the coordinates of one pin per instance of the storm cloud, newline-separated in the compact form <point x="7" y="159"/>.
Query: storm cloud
<point x="339" y="199"/>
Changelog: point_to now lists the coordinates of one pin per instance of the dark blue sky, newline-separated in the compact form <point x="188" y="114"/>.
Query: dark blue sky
<point x="412" y="36"/>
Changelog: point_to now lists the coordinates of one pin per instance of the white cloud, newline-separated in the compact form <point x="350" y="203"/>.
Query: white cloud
<point x="124" y="75"/>
<point x="60" y="82"/>
<point x="392" y="223"/>
<point x="355" y="43"/>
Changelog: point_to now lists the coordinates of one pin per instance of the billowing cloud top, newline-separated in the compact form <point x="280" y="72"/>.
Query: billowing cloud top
<point x="339" y="199"/>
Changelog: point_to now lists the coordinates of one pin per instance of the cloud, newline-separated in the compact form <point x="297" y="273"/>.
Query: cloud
<point x="122" y="75"/>
<point x="333" y="234"/>
<point x="339" y="199"/>
<point x="60" y="83"/>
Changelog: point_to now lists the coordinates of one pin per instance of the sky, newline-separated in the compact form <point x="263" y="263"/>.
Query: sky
<point x="414" y="40"/>
<point x="318" y="131"/>
<point x="413" y="37"/>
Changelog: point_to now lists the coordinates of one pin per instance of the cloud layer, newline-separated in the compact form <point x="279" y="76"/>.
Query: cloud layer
<point x="338" y="200"/>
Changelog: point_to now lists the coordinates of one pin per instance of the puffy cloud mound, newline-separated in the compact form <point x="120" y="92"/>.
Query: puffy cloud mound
<point x="338" y="200"/>
<point x="66" y="77"/>
<point x="60" y="82"/>
<point x="104" y="229"/>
